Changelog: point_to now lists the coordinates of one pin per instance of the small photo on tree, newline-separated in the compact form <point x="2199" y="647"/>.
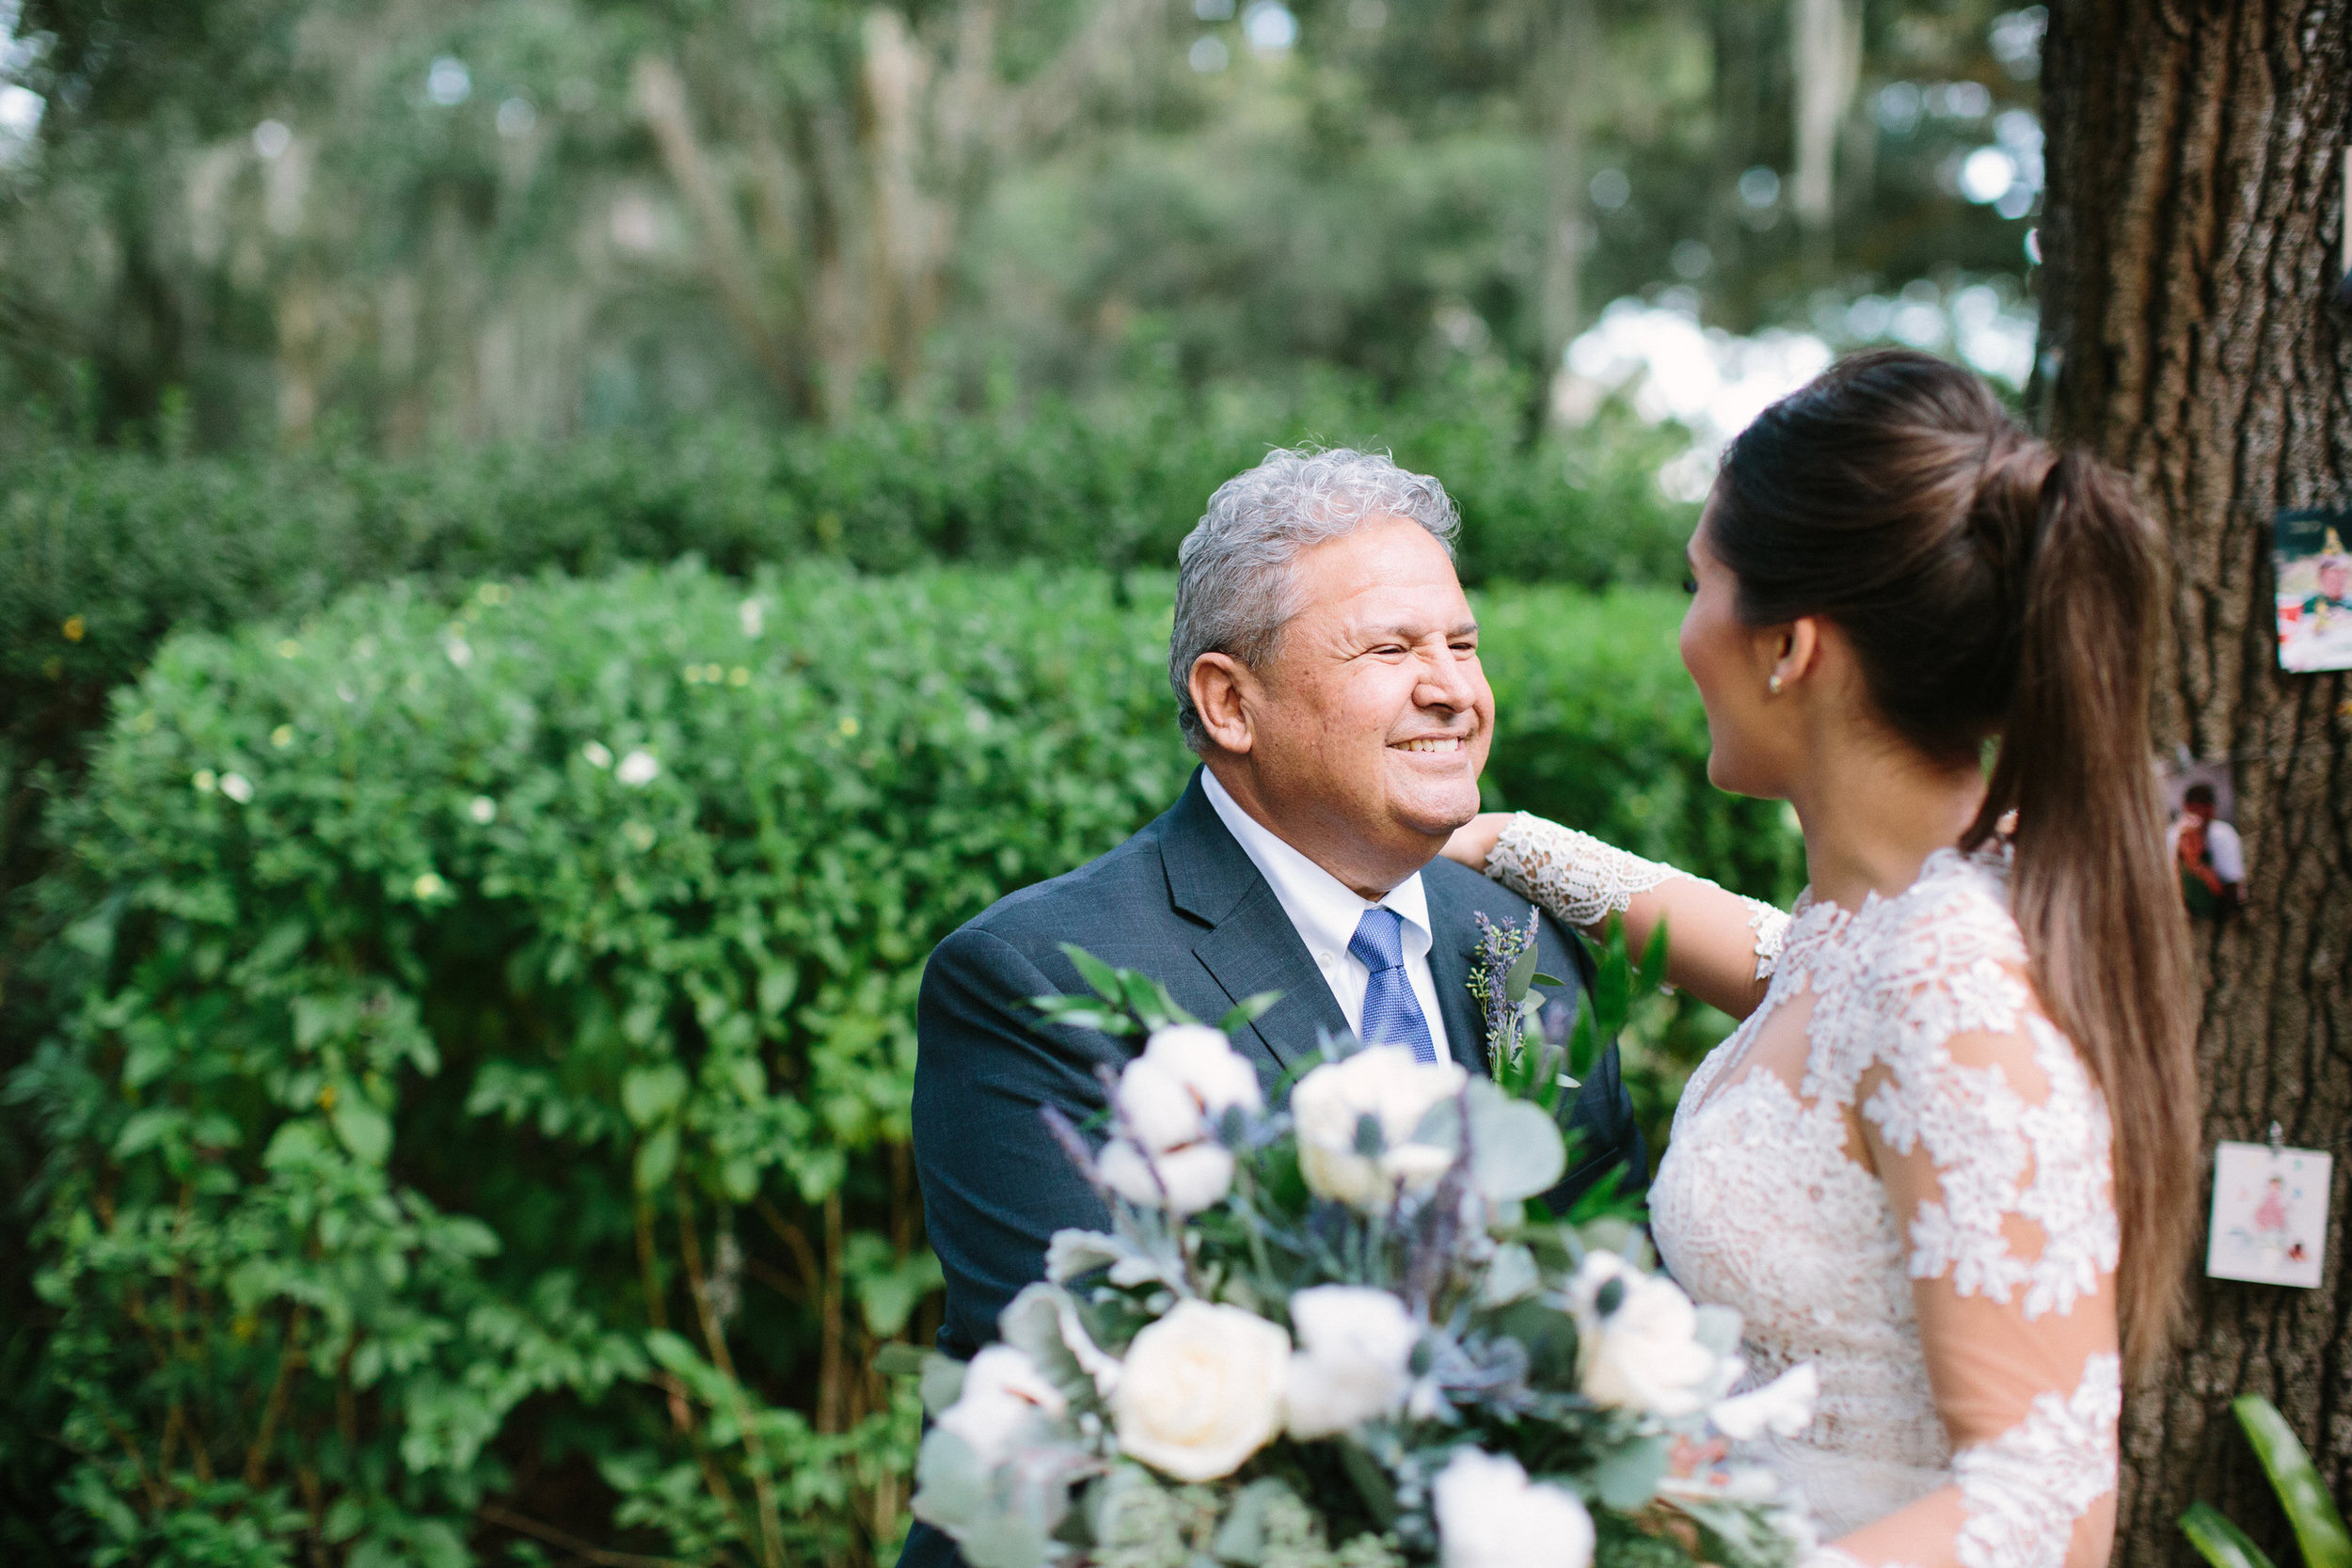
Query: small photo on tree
<point x="2314" y="590"/>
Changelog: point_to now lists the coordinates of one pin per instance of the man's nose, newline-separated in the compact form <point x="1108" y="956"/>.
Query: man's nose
<point x="1446" y="683"/>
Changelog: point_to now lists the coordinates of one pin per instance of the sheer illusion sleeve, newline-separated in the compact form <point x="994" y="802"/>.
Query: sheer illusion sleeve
<point x="1995" y="1148"/>
<point x="1581" y="882"/>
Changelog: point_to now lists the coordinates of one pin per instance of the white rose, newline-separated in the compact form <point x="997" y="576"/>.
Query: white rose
<point x="1004" y="1398"/>
<point x="1201" y="1390"/>
<point x="1196" y="1177"/>
<point x="1641" y="1348"/>
<point x="1186" y="1079"/>
<point x="1489" y="1516"/>
<point x="1784" y="1406"/>
<point x="1386" y="1083"/>
<point x="1352" y="1365"/>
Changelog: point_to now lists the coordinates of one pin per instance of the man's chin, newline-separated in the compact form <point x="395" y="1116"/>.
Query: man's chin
<point x="1436" y="816"/>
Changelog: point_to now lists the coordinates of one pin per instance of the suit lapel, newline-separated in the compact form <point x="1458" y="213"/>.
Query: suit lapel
<point x="1250" y="945"/>
<point x="1256" y="949"/>
<point x="1451" y="950"/>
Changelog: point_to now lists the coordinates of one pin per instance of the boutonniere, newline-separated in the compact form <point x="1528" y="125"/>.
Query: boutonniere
<point x="1535" y="1054"/>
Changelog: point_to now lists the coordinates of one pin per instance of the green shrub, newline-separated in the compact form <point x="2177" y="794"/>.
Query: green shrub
<point x="482" y="1106"/>
<point x="103" y="553"/>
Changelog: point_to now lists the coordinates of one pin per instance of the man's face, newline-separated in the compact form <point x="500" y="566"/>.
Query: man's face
<point x="2335" y="578"/>
<point x="2201" y="811"/>
<point x="1372" y="720"/>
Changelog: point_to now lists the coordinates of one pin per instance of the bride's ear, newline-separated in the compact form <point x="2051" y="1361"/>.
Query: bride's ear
<point x="1220" y="685"/>
<point x="1794" y="651"/>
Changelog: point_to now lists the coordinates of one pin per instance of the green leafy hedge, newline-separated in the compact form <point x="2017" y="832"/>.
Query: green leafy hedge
<point x="481" y="1112"/>
<point x="103" y="553"/>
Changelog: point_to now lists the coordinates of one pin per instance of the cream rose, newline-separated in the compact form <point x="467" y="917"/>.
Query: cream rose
<point x="1352" y="1365"/>
<point x="1201" y="1390"/>
<point x="1005" y="1398"/>
<point x="1385" y="1084"/>
<point x="1191" y="1178"/>
<point x="1170" y="1101"/>
<point x="1641" y="1347"/>
<point x="1201" y="1059"/>
<point x="1490" y="1516"/>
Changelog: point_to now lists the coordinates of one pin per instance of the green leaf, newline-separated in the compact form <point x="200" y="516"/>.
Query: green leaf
<point x="1241" y="1540"/>
<point x="147" y="1060"/>
<point x="364" y="1130"/>
<point x="1627" y="1478"/>
<point x="1247" y="1011"/>
<point x="671" y="1351"/>
<point x="2219" y="1542"/>
<point x="650" y="1093"/>
<point x="147" y="1128"/>
<point x="888" y="1287"/>
<point x="1516" y="1149"/>
<point x="950" y="1484"/>
<point x="739" y="1175"/>
<point x="1653" y="970"/>
<point x="1613" y="986"/>
<point x="657" y="1157"/>
<point x="1522" y="975"/>
<point x="1584" y="1046"/>
<point x="943" y="1381"/>
<point x="2319" y="1528"/>
<point x="1371" y="1481"/>
<point x="1095" y="973"/>
<point x="900" y="1359"/>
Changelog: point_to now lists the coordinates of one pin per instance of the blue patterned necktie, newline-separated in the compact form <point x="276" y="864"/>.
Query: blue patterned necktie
<point x="1391" y="1013"/>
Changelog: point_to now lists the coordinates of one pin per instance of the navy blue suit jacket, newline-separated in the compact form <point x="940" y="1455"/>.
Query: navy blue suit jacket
<point x="1183" y="903"/>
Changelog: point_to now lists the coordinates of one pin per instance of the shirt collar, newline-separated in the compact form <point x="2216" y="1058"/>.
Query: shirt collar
<point x="1324" y="910"/>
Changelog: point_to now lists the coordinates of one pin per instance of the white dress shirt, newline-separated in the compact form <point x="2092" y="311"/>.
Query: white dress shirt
<point x="1324" y="910"/>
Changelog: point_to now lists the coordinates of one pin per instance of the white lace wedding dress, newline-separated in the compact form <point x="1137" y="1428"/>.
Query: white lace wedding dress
<point x="1897" y="1170"/>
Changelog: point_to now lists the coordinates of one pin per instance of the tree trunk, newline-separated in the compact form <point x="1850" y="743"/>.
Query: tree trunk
<point x="1575" y="41"/>
<point x="2191" y="320"/>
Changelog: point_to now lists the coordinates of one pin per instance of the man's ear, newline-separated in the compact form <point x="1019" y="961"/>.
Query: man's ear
<point x="1222" y="687"/>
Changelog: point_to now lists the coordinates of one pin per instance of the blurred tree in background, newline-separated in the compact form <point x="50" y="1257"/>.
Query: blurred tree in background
<point x="243" y="222"/>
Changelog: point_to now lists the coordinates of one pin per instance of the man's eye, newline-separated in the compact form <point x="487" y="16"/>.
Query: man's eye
<point x="1690" y="583"/>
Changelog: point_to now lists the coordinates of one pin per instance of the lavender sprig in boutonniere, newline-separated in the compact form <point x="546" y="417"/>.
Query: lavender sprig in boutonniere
<point x="1524" y="1055"/>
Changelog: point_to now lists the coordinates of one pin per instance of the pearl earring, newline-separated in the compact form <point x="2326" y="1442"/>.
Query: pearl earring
<point x="1774" y="686"/>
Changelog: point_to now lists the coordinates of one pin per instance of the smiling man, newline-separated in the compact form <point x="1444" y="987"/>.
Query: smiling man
<point x="1325" y="665"/>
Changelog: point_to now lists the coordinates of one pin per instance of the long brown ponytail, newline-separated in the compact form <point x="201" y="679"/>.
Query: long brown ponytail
<point x="1993" y="585"/>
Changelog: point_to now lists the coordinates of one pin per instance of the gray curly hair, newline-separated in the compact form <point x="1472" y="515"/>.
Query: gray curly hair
<point x="1234" y="591"/>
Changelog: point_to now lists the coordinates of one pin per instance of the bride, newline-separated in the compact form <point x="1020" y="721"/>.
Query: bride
<point x="1949" y="1156"/>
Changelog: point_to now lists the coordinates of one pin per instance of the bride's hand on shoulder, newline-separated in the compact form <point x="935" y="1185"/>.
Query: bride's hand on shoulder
<point x="1474" y="840"/>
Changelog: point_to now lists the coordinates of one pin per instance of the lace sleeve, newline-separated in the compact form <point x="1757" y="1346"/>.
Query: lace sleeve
<point x="1582" y="882"/>
<point x="1995" y="1147"/>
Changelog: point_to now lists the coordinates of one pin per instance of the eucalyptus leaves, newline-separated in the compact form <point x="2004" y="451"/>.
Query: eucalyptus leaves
<point x="1343" y="1334"/>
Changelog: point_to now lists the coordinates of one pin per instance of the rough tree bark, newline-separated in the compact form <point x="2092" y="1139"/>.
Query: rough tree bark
<point x="2190" y="322"/>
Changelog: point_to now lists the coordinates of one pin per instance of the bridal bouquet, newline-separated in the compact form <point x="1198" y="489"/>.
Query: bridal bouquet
<point x="1345" y="1335"/>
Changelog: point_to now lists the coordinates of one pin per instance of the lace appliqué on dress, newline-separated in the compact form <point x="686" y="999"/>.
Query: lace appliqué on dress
<point x="1944" y="961"/>
<point x="1983" y="1136"/>
<point x="1919" y="1020"/>
<point x="1583" y="881"/>
<point x="2024" y="1491"/>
